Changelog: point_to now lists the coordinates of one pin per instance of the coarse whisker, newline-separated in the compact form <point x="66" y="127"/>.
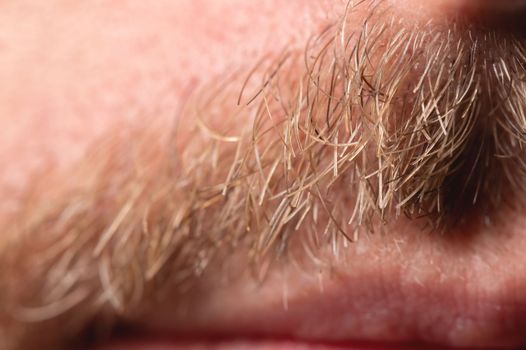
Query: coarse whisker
<point x="368" y="123"/>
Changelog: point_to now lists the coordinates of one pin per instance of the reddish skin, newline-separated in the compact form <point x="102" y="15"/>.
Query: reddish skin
<point x="71" y="71"/>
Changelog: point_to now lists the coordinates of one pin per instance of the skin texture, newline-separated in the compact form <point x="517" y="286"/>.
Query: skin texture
<point x="69" y="81"/>
<point x="84" y="76"/>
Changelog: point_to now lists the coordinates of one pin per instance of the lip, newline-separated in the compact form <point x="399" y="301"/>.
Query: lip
<point x="423" y="316"/>
<point x="252" y="344"/>
<point x="470" y="298"/>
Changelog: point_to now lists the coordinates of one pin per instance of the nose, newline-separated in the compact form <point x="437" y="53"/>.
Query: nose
<point x="496" y="6"/>
<point x="507" y="15"/>
<point x="502" y="13"/>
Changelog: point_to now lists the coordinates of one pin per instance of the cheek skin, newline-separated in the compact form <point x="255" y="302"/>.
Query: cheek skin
<point x="71" y="71"/>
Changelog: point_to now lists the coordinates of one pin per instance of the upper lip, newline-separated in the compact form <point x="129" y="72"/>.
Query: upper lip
<point x="393" y="298"/>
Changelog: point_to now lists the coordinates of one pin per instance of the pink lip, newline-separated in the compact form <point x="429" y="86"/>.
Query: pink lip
<point x="381" y="312"/>
<point x="244" y="344"/>
<point x="471" y="299"/>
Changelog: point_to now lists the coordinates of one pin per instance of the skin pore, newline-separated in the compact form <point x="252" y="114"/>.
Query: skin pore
<point x="374" y="152"/>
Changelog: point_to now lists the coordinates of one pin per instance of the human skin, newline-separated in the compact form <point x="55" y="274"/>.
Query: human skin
<point x="67" y="80"/>
<point x="75" y="73"/>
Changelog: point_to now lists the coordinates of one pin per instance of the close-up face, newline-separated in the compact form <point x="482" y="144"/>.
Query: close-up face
<point x="277" y="174"/>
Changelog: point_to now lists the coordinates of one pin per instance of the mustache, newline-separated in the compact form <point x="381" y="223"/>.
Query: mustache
<point x="369" y="122"/>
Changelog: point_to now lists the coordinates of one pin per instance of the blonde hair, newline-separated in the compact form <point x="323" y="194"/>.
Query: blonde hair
<point x="363" y="126"/>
